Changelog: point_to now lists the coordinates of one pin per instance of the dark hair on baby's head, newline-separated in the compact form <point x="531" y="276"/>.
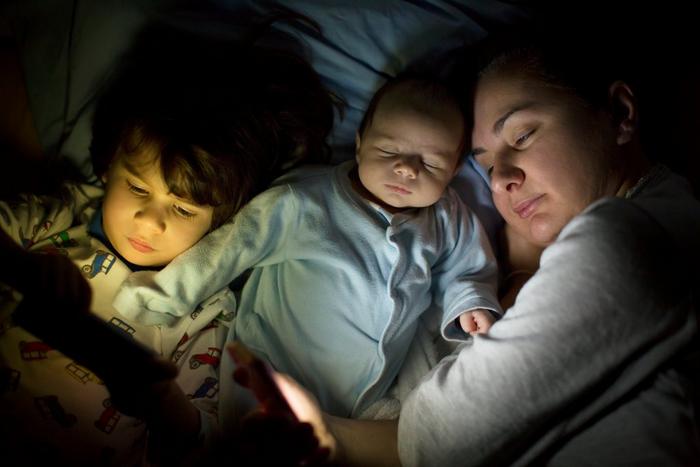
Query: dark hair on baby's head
<point x="226" y="117"/>
<point x="420" y="86"/>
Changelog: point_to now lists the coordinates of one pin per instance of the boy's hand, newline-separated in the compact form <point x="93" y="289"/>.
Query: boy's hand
<point x="54" y="281"/>
<point x="50" y="281"/>
<point x="144" y="394"/>
<point x="477" y="321"/>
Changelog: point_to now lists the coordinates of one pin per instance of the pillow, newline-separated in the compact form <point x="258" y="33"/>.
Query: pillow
<point x="364" y="42"/>
<point x="68" y="48"/>
<point x="367" y="41"/>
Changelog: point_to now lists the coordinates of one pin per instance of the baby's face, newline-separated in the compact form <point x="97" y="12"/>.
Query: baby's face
<point x="409" y="152"/>
<point x="146" y="223"/>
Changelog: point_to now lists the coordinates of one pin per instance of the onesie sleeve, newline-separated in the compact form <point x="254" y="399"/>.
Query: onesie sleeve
<point x="465" y="276"/>
<point x="255" y="236"/>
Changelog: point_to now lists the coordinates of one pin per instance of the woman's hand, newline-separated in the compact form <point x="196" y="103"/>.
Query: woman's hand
<point x="307" y="410"/>
<point x="314" y="438"/>
<point x="288" y="414"/>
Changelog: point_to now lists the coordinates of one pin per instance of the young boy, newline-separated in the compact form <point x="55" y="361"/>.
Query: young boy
<point x="53" y="407"/>
<point x="344" y="261"/>
<point x="174" y="165"/>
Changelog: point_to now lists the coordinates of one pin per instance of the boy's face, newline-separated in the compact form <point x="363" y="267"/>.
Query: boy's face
<point x="409" y="152"/>
<point x="148" y="225"/>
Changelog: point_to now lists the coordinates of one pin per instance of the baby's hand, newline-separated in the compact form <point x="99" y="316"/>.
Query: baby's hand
<point x="476" y="321"/>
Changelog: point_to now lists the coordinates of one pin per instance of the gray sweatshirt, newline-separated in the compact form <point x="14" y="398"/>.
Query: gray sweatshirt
<point x="590" y="365"/>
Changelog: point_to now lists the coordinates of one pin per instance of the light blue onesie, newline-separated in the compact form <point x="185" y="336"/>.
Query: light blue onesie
<point x="337" y="283"/>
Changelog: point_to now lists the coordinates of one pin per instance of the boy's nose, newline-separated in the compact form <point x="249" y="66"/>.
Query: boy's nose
<point x="151" y="218"/>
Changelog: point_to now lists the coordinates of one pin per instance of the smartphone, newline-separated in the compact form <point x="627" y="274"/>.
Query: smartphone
<point x="260" y="381"/>
<point x="107" y="351"/>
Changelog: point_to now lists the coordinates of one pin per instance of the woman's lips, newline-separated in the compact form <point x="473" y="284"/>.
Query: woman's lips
<point x="141" y="246"/>
<point x="525" y="208"/>
<point x="398" y="189"/>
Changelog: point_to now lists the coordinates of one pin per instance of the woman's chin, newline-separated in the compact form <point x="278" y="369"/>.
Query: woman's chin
<point x="542" y="230"/>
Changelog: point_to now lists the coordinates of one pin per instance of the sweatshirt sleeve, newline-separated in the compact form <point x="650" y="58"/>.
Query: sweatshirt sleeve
<point x="601" y="315"/>
<point x="255" y="236"/>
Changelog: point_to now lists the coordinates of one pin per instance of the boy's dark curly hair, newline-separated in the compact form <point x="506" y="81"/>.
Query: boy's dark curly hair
<point x="227" y="117"/>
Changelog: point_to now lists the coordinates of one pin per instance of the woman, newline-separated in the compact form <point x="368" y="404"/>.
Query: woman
<point x="591" y="365"/>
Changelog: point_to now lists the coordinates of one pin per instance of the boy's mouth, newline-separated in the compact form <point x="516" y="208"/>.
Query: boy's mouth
<point x="139" y="245"/>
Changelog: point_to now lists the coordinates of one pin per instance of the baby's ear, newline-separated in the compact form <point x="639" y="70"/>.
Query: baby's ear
<point x="358" y="142"/>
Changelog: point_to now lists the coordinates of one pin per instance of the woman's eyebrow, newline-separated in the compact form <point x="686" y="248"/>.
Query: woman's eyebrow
<point x="500" y="123"/>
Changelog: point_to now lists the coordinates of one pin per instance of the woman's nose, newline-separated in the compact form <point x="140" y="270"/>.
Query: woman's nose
<point x="506" y="177"/>
<point x="152" y="217"/>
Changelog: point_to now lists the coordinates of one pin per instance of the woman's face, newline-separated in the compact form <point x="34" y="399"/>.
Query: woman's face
<point x="549" y="155"/>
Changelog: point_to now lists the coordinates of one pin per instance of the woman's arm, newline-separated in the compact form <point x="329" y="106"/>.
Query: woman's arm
<point x="596" y="320"/>
<point x="519" y="261"/>
<point x="365" y="442"/>
<point x="349" y="442"/>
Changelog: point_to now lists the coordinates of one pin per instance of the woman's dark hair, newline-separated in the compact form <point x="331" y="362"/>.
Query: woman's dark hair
<point x="561" y="55"/>
<point x="227" y="117"/>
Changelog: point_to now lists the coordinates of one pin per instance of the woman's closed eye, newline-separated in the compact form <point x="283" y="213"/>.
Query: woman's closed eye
<point x="523" y="138"/>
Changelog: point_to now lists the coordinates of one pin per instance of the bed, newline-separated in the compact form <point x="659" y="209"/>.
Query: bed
<point x="67" y="48"/>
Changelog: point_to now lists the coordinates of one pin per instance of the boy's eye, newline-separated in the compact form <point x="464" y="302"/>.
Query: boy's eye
<point x="384" y="153"/>
<point x="138" y="191"/>
<point x="183" y="212"/>
<point x="430" y="166"/>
